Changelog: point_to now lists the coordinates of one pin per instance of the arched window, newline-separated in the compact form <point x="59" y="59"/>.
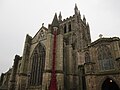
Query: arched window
<point x="65" y="28"/>
<point x="87" y="57"/>
<point x="69" y="26"/>
<point x="105" y="58"/>
<point x="38" y="62"/>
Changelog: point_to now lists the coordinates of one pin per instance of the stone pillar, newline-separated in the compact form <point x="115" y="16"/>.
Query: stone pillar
<point x="59" y="53"/>
<point x="49" y="48"/>
<point x="116" y="50"/>
<point x="25" y="57"/>
<point x="68" y="66"/>
<point x="59" y="62"/>
<point x="69" y="61"/>
<point x="1" y="78"/>
<point x="81" y="67"/>
<point x="118" y="63"/>
<point x="24" y="63"/>
<point x="48" y="62"/>
<point x="14" y="72"/>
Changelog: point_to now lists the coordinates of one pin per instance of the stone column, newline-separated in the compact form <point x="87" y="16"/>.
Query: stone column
<point x="59" y="62"/>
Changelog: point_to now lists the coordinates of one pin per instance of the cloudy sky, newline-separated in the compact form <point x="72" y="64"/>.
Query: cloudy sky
<point x="21" y="17"/>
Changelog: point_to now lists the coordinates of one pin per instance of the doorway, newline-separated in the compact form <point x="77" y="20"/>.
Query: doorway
<point x="109" y="84"/>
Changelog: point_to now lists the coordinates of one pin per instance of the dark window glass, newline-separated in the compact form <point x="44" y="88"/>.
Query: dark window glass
<point x="38" y="62"/>
<point x="65" y="29"/>
<point x="105" y="58"/>
<point x="69" y="27"/>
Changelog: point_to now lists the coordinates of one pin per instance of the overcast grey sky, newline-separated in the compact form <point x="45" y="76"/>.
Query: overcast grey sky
<point x="21" y="17"/>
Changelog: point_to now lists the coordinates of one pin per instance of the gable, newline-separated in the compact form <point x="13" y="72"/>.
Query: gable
<point x="40" y="35"/>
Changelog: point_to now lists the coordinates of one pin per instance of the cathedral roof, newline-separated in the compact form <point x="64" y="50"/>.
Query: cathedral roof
<point x="100" y="40"/>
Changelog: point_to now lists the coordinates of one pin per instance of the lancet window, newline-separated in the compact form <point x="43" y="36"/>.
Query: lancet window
<point x="69" y="26"/>
<point x="65" y="28"/>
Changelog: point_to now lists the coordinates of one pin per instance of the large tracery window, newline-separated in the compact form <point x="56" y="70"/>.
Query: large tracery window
<point x="38" y="62"/>
<point x="105" y="58"/>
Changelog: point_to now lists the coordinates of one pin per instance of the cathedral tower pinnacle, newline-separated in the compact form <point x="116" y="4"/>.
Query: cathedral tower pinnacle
<point x="55" y="22"/>
<point x="60" y="17"/>
<point x="76" y="9"/>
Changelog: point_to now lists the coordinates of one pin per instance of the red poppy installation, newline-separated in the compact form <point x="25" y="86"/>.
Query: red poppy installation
<point x="53" y="82"/>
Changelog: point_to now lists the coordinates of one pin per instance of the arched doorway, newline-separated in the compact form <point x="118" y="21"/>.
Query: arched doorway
<point x="109" y="84"/>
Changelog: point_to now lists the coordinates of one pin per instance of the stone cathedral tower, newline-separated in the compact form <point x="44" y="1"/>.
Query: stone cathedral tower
<point x="62" y="57"/>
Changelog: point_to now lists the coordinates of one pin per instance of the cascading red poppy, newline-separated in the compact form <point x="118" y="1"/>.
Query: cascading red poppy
<point x="53" y="82"/>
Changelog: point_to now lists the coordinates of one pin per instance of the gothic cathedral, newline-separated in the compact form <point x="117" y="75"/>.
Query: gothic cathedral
<point x="62" y="57"/>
